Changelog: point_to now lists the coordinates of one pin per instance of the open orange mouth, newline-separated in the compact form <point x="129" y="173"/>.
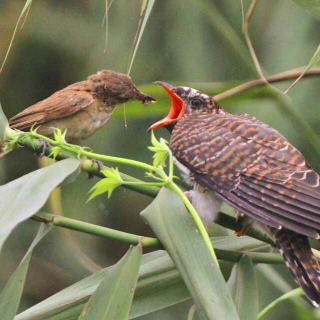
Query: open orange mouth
<point x="177" y="110"/>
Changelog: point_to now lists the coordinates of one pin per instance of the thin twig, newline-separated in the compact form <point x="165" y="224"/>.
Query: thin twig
<point x="283" y="76"/>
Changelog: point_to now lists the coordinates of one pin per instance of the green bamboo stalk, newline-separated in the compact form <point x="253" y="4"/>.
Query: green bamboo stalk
<point x="147" y="242"/>
<point x="85" y="227"/>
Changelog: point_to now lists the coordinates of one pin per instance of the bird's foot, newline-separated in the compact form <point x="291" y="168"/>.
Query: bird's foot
<point x="239" y="216"/>
<point x="243" y="231"/>
<point x="44" y="146"/>
<point x="99" y="164"/>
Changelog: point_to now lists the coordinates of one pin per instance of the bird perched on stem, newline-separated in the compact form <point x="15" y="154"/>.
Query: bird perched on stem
<point x="82" y="108"/>
<point x="252" y="167"/>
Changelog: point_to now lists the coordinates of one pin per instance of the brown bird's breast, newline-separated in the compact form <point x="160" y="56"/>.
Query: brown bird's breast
<point x="81" y="124"/>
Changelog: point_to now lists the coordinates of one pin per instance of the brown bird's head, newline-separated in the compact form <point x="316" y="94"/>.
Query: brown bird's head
<point x="116" y="88"/>
<point x="185" y="100"/>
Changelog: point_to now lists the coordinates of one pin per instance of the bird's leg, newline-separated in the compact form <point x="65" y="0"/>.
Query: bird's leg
<point x="244" y="227"/>
<point x="44" y="146"/>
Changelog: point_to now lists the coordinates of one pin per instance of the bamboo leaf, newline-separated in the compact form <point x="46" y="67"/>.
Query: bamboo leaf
<point x="113" y="297"/>
<point x="23" y="197"/>
<point x="315" y="59"/>
<point x="11" y="294"/>
<point x="160" y="149"/>
<point x="159" y="285"/>
<point x="112" y="180"/>
<point x="174" y="227"/>
<point x="3" y="125"/>
<point x="244" y="289"/>
<point x="23" y="12"/>
<point x="291" y="294"/>
<point x="146" y="8"/>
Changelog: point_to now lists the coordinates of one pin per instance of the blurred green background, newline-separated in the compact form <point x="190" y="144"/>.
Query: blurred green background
<point x="196" y="43"/>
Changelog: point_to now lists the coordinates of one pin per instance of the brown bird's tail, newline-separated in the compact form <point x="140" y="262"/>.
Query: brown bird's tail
<point x="296" y="251"/>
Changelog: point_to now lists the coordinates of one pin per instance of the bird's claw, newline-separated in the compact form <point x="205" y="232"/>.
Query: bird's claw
<point x="99" y="164"/>
<point x="44" y="146"/>
<point x="243" y="231"/>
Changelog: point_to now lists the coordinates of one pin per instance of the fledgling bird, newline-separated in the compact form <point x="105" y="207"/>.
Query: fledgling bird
<point x="239" y="160"/>
<point x="82" y="108"/>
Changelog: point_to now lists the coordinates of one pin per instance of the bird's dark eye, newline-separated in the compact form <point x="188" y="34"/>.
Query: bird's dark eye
<point x="196" y="103"/>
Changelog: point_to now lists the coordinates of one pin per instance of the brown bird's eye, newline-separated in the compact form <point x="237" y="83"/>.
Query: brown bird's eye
<point x="196" y="103"/>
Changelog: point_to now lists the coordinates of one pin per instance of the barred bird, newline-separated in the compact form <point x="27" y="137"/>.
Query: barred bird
<point x="239" y="160"/>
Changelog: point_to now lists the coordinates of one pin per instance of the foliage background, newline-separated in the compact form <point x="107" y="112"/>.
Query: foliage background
<point x="63" y="42"/>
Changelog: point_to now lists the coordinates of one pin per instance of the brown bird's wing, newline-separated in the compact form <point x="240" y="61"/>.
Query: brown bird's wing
<point x="252" y="167"/>
<point x="61" y="104"/>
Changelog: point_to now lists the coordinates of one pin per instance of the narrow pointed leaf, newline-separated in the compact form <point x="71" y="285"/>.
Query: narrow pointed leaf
<point x="244" y="289"/>
<point x="159" y="286"/>
<point x="291" y="294"/>
<point x="113" y="297"/>
<point x="11" y="294"/>
<point x="145" y="13"/>
<point x="315" y="59"/>
<point x="23" y="12"/>
<point x="174" y="227"/>
<point x="23" y="197"/>
<point x="3" y="125"/>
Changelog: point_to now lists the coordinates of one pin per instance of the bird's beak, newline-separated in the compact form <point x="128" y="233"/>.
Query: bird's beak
<point x="177" y="110"/>
<point x="145" y="99"/>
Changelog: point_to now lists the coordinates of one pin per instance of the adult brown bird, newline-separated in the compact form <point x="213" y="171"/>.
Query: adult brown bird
<point x="82" y="108"/>
<point x="252" y="167"/>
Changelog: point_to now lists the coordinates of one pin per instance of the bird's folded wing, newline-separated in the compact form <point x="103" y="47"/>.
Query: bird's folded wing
<point x="254" y="169"/>
<point x="61" y="104"/>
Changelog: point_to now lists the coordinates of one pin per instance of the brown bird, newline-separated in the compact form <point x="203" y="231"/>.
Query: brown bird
<point x="82" y="108"/>
<point x="252" y="167"/>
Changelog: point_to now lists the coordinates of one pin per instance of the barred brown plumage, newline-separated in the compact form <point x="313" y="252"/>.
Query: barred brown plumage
<point x="253" y="168"/>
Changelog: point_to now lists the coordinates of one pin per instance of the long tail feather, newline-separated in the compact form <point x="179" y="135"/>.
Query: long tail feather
<point x="296" y="251"/>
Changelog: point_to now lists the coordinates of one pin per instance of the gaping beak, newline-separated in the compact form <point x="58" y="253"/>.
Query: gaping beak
<point x="177" y="110"/>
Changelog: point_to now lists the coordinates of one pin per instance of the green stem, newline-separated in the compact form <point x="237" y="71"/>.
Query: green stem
<point x="195" y="217"/>
<point x="152" y="184"/>
<point x="75" y="150"/>
<point x="170" y="164"/>
<point x="99" y="231"/>
<point x="147" y="242"/>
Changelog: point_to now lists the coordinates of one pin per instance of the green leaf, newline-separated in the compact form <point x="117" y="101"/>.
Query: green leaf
<point x="55" y="152"/>
<point x="315" y="58"/>
<point x="174" y="227"/>
<point x="113" y="297"/>
<point x="112" y="180"/>
<point x="145" y="13"/>
<point x="291" y="294"/>
<point x="24" y="11"/>
<point x="159" y="286"/>
<point x="3" y="125"/>
<point x="23" y="197"/>
<point x="160" y="149"/>
<point x="11" y="294"/>
<point x="244" y="290"/>
<point x="59" y="136"/>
